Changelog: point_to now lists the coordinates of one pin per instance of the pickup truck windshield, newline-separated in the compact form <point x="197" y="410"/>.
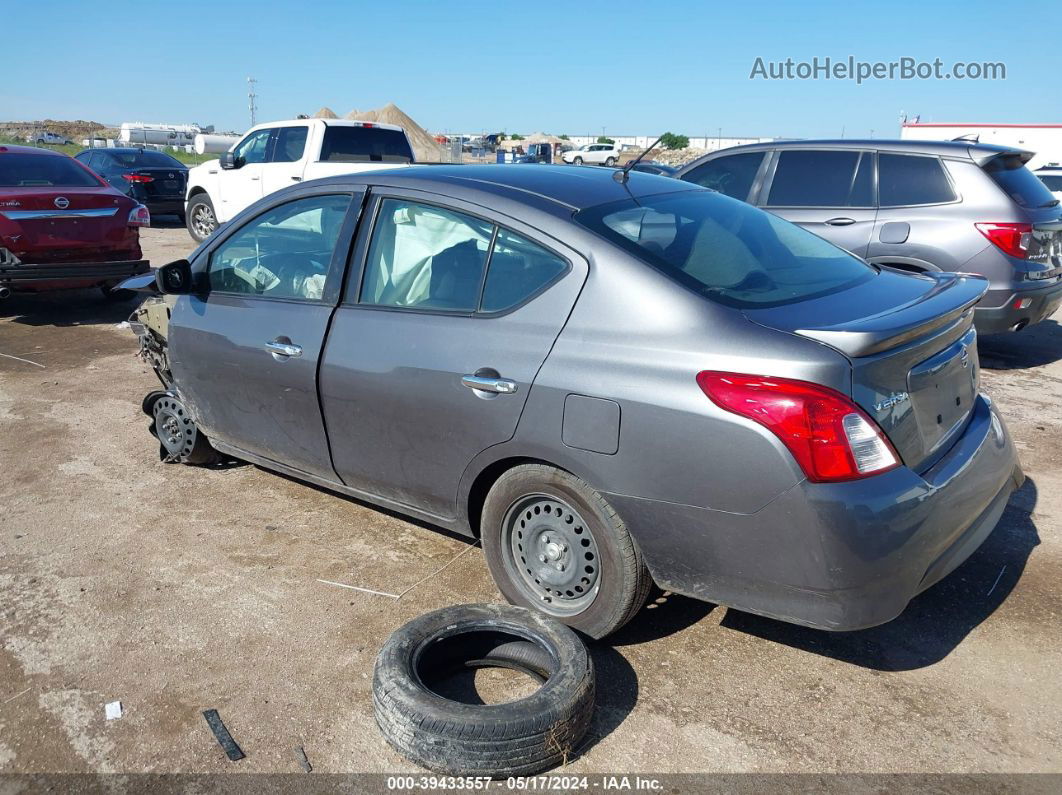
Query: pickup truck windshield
<point x="365" y="145"/>
<point x="726" y="250"/>
<point x="43" y="171"/>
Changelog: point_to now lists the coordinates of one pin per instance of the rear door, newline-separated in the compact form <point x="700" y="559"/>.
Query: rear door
<point x="827" y="191"/>
<point x="430" y="361"/>
<point x="245" y="350"/>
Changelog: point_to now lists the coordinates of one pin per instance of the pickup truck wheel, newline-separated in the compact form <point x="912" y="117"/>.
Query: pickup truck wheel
<point x="201" y="219"/>
<point x="512" y="738"/>
<point x="554" y="544"/>
<point x="610" y="161"/>
<point x="180" y="441"/>
<point x="578" y="161"/>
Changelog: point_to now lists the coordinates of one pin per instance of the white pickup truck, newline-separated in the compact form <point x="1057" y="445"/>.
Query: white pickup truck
<point x="275" y="155"/>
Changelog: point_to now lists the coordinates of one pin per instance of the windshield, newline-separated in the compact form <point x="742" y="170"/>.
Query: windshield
<point x="365" y="144"/>
<point x="145" y="159"/>
<point x="43" y="171"/>
<point x="1023" y="187"/>
<point x="727" y="250"/>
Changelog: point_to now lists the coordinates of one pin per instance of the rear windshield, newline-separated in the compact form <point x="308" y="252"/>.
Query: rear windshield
<point x="365" y="145"/>
<point x="726" y="250"/>
<point x="43" y="171"/>
<point x="146" y="159"/>
<point x="1024" y="189"/>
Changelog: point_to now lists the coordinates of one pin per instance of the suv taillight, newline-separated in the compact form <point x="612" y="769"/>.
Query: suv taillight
<point x="139" y="216"/>
<point x="1011" y="239"/>
<point x="830" y="437"/>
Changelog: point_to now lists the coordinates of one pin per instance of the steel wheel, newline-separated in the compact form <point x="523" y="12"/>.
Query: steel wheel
<point x="174" y="428"/>
<point x="203" y="221"/>
<point x="550" y="554"/>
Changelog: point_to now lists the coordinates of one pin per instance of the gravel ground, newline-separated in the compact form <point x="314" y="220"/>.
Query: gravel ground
<point x="177" y="589"/>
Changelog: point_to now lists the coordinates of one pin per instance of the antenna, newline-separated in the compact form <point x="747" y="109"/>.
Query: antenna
<point x="251" y="97"/>
<point x="623" y="174"/>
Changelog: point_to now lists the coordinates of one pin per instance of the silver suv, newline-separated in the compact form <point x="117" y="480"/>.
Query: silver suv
<point x="913" y="205"/>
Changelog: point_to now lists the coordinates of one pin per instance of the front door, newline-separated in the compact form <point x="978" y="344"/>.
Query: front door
<point x="827" y="191"/>
<point x="240" y="187"/>
<point x="244" y="351"/>
<point x="430" y="362"/>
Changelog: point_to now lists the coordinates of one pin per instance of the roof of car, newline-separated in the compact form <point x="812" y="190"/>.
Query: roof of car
<point x="963" y="149"/>
<point x="15" y="149"/>
<point x="571" y="187"/>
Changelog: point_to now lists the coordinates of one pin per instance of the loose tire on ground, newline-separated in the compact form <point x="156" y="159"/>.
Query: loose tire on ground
<point x="554" y="544"/>
<point x="516" y="738"/>
<point x="201" y="220"/>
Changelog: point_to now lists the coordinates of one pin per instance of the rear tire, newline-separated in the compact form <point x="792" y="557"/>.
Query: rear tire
<point x="554" y="544"/>
<point x="201" y="220"/>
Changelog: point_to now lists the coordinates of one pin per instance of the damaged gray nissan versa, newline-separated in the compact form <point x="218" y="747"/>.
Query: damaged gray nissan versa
<point x="609" y="378"/>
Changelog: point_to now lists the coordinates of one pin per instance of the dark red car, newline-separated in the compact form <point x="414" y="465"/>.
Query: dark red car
<point x="61" y="226"/>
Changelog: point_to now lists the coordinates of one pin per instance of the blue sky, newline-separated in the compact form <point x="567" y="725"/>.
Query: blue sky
<point x="575" y="68"/>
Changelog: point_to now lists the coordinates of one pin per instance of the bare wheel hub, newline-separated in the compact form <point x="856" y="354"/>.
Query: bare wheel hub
<point x="551" y="554"/>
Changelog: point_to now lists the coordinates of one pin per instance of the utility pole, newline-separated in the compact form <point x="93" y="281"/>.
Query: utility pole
<point x="251" y="97"/>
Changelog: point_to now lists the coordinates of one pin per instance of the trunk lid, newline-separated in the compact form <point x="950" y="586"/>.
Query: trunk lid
<point x="912" y="348"/>
<point x="50" y="224"/>
<point x="166" y="183"/>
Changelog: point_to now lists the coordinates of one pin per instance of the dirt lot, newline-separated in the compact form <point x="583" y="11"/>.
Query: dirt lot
<point x="176" y="589"/>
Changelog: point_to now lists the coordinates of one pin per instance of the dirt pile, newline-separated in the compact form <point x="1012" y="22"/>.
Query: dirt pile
<point x="325" y="113"/>
<point x="424" y="146"/>
<point x="74" y="130"/>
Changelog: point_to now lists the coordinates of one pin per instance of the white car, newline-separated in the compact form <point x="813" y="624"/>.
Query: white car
<point x="1051" y="176"/>
<point x="599" y="154"/>
<point x="275" y="155"/>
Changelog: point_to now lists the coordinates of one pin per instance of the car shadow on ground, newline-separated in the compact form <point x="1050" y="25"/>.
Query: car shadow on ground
<point x="1032" y="347"/>
<point x="935" y="622"/>
<point x="66" y="308"/>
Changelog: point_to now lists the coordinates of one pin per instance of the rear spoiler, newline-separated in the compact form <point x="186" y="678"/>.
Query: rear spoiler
<point x="933" y="311"/>
<point x="981" y="155"/>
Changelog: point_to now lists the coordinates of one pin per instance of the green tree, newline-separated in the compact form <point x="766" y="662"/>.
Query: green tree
<point x="671" y="141"/>
<point x="603" y="140"/>
<point x="564" y="137"/>
<point x="516" y="137"/>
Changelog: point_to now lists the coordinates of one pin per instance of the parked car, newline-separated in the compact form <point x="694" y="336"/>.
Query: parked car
<point x="275" y="155"/>
<point x="45" y="137"/>
<point x="152" y="178"/>
<point x="654" y="167"/>
<point x="61" y="226"/>
<point x="913" y="205"/>
<point x="595" y="154"/>
<point x="607" y="382"/>
<point x="1051" y="176"/>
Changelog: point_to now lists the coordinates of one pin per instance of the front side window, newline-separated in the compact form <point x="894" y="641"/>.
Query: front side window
<point x="813" y="178"/>
<point x="426" y="257"/>
<point x="252" y="149"/>
<point x="290" y="145"/>
<point x="283" y="253"/>
<point x="912" y="179"/>
<point x="732" y="175"/>
<point x="727" y="251"/>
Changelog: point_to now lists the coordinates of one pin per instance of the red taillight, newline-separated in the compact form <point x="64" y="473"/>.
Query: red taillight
<point x="1011" y="239"/>
<point x="139" y="216"/>
<point x="830" y="437"/>
<point x="137" y="178"/>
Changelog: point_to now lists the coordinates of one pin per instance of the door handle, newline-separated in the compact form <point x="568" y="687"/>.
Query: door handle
<point x="278" y="348"/>
<point x="501" y="386"/>
<point x="841" y="221"/>
<point x="255" y="179"/>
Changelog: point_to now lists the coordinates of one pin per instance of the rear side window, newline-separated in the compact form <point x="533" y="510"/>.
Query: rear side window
<point x="912" y="179"/>
<point x="290" y="144"/>
<point x="365" y="145"/>
<point x="725" y="250"/>
<point x="518" y="269"/>
<point x="732" y="175"/>
<point x="426" y="257"/>
<point x="810" y="178"/>
<point x="43" y="171"/>
<point x="1020" y="184"/>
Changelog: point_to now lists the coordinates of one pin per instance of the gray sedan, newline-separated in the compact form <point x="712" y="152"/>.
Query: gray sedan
<point x="609" y="382"/>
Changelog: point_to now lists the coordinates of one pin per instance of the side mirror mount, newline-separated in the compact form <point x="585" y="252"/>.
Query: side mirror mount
<point x="174" y="278"/>
<point x="228" y="161"/>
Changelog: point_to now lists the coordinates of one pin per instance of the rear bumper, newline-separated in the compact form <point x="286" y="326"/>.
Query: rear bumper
<point x="173" y="206"/>
<point x="997" y="312"/>
<point x="58" y="276"/>
<point x="837" y="556"/>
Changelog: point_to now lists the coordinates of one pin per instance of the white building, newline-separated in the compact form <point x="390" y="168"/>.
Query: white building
<point x="709" y="142"/>
<point x="1043" y="139"/>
